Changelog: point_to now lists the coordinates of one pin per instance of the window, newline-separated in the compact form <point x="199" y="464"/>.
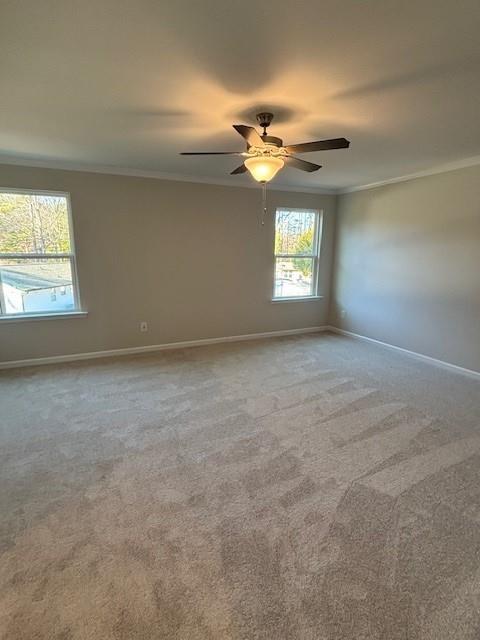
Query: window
<point x="297" y="246"/>
<point x="37" y="260"/>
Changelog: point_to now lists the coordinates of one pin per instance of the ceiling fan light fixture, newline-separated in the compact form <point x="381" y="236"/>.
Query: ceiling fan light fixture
<point x="266" y="155"/>
<point x="264" y="168"/>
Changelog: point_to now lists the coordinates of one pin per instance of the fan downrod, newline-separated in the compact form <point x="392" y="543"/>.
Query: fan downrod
<point x="264" y="119"/>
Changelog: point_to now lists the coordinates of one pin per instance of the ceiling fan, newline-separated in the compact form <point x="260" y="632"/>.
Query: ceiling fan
<point x="265" y="155"/>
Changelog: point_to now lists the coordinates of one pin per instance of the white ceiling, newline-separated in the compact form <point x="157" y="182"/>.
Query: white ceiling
<point x="131" y="83"/>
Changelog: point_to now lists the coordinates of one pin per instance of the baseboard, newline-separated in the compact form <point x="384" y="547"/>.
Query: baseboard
<point x="419" y="356"/>
<point x="155" y="347"/>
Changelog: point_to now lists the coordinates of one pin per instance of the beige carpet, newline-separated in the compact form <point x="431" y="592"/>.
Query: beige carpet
<point x="301" y="488"/>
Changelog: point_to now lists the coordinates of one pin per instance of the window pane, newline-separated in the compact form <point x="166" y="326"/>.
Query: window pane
<point x="31" y="286"/>
<point x="33" y="223"/>
<point x="293" y="277"/>
<point x="294" y="232"/>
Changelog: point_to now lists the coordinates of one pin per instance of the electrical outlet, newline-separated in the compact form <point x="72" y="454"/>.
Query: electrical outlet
<point x="343" y="313"/>
<point x="143" y="326"/>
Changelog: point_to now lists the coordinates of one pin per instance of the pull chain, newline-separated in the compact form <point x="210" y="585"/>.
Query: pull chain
<point x="264" y="202"/>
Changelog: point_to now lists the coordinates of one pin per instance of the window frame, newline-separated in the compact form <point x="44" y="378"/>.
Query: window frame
<point x="71" y="256"/>
<point x="314" y="256"/>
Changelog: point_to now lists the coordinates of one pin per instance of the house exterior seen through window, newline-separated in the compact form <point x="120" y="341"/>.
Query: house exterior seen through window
<point x="297" y="248"/>
<point x="37" y="259"/>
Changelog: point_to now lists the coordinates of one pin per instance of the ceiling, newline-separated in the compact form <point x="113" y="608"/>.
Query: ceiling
<point x="128" y="84"/>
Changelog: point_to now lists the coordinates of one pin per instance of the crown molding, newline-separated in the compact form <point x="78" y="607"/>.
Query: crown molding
<point x="231" y="182"/>
<point x="156" y="175"/>
<point x="443" y="168"/>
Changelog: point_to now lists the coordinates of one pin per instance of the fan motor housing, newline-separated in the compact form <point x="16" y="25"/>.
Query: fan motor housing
<point x="277" y="142"/>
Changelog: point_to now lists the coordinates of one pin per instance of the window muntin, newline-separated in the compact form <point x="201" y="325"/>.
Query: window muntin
<point x="37" y="260"/>
<point x="297" y="244"/>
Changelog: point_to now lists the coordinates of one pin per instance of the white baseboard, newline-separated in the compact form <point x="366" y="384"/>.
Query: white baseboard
<point x="156" y="347"/>
<point x="419" y="356"/>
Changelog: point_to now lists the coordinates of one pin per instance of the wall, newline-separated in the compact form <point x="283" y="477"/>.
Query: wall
<point x="407" y="265"/>
<point x="190" y="259"/>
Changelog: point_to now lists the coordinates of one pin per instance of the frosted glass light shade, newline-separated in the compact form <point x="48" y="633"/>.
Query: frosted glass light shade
<point x="264" y="168"/>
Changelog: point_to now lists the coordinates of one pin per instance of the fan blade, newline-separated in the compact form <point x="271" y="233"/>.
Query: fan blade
<point x="211" y="153"/>
<point x="241" y="169"/>
<point x="319" y="145"/>
<point x="303" y="165"/>
<point x="250" y="134"/>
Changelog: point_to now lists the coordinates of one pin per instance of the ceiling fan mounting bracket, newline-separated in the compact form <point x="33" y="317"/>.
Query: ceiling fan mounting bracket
<point x="264" y="119"/>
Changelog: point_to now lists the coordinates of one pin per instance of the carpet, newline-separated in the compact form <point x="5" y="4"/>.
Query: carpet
<point x="298" y="488"/>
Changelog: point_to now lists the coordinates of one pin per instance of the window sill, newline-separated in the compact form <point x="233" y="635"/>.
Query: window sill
<point x="297" y="299"/>
<point x="27" y="317"/>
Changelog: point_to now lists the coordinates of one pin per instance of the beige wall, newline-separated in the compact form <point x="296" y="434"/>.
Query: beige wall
<point x="407" y="265"/>
<point x="190" y="259"/>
